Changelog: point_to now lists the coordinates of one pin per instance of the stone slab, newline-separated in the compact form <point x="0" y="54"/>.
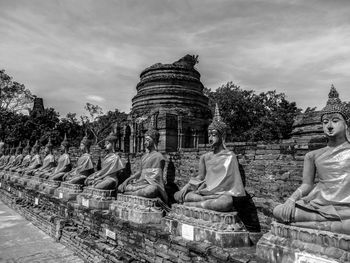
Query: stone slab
<point x="287" y="244"/>
<point x="137" y="209"/>
<point x="96" y="198"/>
<point x="68" y="192"/>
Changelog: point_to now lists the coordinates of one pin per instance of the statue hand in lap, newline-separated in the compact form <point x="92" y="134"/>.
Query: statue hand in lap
<point x="328" y="200"/>
<point x="219" y="179"/>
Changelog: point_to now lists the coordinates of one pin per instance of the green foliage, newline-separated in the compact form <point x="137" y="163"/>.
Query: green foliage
<point x="251" y="117"/>
<point x="100" y="124"/>
<point x="13" y="95"/>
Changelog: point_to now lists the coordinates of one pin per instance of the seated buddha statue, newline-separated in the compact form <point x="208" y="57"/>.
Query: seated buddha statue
<point x="327" y="202"/>
<point x="18" y="159"/>
<point x="219" y="178"/>
<point x="2" y="152"/>
<point x="148" y="181"/>
<point x="84" y="167"/>
<point x="25" y="161"/>
<point x="63" y="164"/>
<point x="107" y="177"/>
<point x="10" y="159"/>
<point x="35" y="161"/>
<point x="48" y="162"/>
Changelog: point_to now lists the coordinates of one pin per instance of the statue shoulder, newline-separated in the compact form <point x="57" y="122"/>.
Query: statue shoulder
<point x="315" y="153"/>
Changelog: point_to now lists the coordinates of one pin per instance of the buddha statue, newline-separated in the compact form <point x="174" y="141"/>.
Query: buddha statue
<point x="107" y="177"/>
<point x="25" y="161"/>
<point x="148" y="181"/>
<point x="10" y="159"/>
<point x="35" y="161"/>
<point x="219" y="180"/>
<point x="18" y="158"/>
<point x="63" y="164"/>
<point x="2" y="145"/>
<point x="48" y="162"/>
<point x="327" y="202"/>
<point x="84" y="167"/>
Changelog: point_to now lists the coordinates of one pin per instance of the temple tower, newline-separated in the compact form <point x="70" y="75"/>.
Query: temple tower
<point x="170" y="98"/>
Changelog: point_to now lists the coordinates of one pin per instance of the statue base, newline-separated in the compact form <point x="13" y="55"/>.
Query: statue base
<point x="24" y="180"/>
<point x="34" y="183"/>
<point x="96" y="198"/>
<point x="14" y="177"/>
<point x="7" y="175"/>
<point x="68" y="192"/>
<point x="48" y="187"/>
<point x="137" y="209"/>
<point x="288" y="244"/>
<point x="202" y="225"/>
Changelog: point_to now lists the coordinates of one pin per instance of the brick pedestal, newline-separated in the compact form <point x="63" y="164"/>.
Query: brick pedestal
<point x="289" y="244"/>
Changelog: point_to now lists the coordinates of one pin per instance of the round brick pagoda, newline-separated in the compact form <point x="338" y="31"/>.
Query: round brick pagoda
<point x="170" y="97"/>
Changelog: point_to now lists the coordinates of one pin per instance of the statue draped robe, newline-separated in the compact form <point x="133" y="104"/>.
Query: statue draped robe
<point x="111" y="164"/>
<point x="84" y="166"/>
<point x="25" y="162"/>
<point x="152" y="173"/>
<point x="63" y="165"/>
<point x="47" y="166"/>
<point x="330" y="197"/>
<point x="222" y="176"/>
<point x="18" y="160"/>
<point x="35" y="162"/>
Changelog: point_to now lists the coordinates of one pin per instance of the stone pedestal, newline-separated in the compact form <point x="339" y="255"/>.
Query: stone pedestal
<point x="24" y="179"/>
<point x="96" y="198"/>
<point x="68" y="192"/>
<point x="48" y="187"/>
<point x="137" y="209"/>
<point x="220" y="229"/>
<point x="288" y="244"/>
<point x="15" y="176"/>
<point x="34" y="183"/>
<point x="7" y="175"/>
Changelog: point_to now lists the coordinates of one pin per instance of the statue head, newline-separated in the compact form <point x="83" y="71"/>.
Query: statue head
<point x="335" y="116"/>
<point x="13" y="150"/>
<point x="2" y="144"/>
<point x="64" y="143"/>
<point x="19" y="148"/>
<point x="26" y="149"/>
<point x="36" y="147"/>
<point x="217" y="129"/>
<point x="151" y="138"/>
<point x="111" y="139"/>
<point x="85" y="143"/>
<point x="48" y="146"/>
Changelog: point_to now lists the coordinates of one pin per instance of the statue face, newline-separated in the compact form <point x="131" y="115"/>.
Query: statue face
<point x="214" y="138"/>
<point x="108" y="145"/>
<point x="82" y="146"/>
<point x="333" y="124"/>
<point x="149" y="143"/>
<point x="47" y="150"/>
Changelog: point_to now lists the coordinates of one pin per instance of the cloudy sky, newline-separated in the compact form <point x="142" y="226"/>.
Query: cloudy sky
<point x="78" y="51"/>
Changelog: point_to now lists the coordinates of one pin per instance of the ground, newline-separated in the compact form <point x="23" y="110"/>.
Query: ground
<point x="21" y="241"/>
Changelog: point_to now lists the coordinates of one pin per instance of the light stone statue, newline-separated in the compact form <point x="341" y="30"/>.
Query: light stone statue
<point x="84" y="167"/>
<point x="63" y="164"/>
<point x="219" y="179"/>
<point x="148" y="182"/>
<point x="107" y="177"/>
<point x="48" y="162"/>
<point x="25" y="161"/>
<point x="35" y="161"/>
<point x="326" y="203"/>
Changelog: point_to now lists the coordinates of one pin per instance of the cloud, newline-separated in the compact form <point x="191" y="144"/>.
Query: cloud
<point x="66" y="51"/>
<point x="95" y="98"/>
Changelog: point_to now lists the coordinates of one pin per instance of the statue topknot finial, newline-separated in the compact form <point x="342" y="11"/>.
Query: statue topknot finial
<point x="217" y="115"/>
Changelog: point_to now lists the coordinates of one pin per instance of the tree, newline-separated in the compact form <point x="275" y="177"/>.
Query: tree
<point x="13" y="95"/>
<point x="72" y="128"/>
<point x="251" y="117"/>
<point x="99" y="124"/>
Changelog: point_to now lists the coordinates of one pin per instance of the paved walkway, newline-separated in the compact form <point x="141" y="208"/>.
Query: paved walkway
<point x="21" y="241"/>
